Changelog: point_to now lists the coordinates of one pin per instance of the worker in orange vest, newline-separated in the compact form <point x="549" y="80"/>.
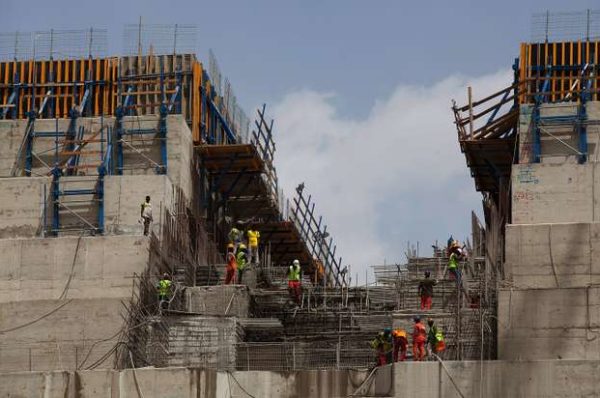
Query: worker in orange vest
<point x="400" y="343"/>
<point x="231" y="265"/>
<point x="419" y="340"/>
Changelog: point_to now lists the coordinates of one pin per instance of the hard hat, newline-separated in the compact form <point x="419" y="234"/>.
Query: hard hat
<point x="230" y="246"/>
<point x="387" y="330"/>
<point x="296" y="262"/>
<point x="166" y="276"/>
<point x="242" y="246"/>
<point x="430" y="321"/>
<point x="417" y="318"/>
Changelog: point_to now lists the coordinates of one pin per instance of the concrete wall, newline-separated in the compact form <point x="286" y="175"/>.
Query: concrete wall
<point x="48" y="337"/>
<point x="495" y="379"/>
<point x="123" y="196"/>
<point x="230" y="300"/>
<point x="549" y="323"/>
<point x="99" y="267"/>
<point x="553" y="255"/>
<point x="553" y="150"/>
<point x="142" y="161"/>
<point x="22" y="210"/>
<point x="551" y="193"/>
<point x="500" y="379"/>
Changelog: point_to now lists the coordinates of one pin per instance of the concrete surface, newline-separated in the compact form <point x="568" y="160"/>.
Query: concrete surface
<point x="224" y="300"/>
<point x="490" y="379"/>
<point x="555" y="193"/>
<point x="123" y="197"/>
<point x="553" y="255"/>
<point x="99" y="267"/>
<point x="549" y="323"/>
<point x="48" y="337"/>
<point x="22" y="210"/>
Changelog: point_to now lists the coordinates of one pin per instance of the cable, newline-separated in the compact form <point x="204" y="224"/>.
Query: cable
<point x="367" y="379"/>
<point x="36" y="320"/>
<point x="449" y="376"/>
<point x="137" y="385"/>
<point x="63" y="295"/>
<point x="239" y="385"/>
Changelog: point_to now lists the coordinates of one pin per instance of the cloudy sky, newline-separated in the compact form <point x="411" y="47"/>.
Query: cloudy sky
<point x="360" y="91"/>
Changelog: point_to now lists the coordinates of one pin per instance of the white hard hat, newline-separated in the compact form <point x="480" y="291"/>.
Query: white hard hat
<point x="296" y="262"/>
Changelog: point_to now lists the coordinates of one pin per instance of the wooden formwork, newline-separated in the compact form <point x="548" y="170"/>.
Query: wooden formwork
<point x="62" y="83"/>
<point x="562" y="63"/>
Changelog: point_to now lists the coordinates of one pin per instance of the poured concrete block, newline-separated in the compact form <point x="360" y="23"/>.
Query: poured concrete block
<point x="225" y="300"/>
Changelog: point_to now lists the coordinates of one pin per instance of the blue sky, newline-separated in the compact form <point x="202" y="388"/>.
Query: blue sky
<point x="360" y="91"/>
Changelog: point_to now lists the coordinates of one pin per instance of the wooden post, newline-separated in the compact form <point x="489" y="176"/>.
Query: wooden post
<point x="470" y="96"/>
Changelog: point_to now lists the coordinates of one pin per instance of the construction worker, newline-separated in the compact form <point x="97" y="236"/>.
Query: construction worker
<point x="419" y="339"/>
<point x="241" y="259"/>
<point x="231" y="265"/>
<point x="163" y="286"/>
<point x="294" y="277"/>
<point x="382" y="346"/>
<point x="426" y="291"/>
<point x="146" y="215"/>
<point x="453" y="267"/>
<point x="253" y="236"/>
<point x="435" y="338"/>
<point x="400" y="343"/>
<point x="235" y="238"/>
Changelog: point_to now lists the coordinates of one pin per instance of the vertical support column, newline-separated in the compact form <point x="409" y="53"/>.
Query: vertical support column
<point x="537" y="138"/>
<point x="162" y="136"/>
<point x="55" y="200"/>
<point x="119" y="135"/>
<point x="100" y="196"/>
<point x="29" y="144"/>
<point x="582" y="130"/>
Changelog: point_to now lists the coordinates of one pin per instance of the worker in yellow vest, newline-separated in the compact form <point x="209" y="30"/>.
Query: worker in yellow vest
<point x="253" y="236"/>
<point x="294" y="277"/>
<point x="164" y="286"/>
<point x="242" y="260"/>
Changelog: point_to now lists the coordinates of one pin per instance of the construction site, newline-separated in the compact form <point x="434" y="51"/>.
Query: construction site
<point x="87" y="136"/>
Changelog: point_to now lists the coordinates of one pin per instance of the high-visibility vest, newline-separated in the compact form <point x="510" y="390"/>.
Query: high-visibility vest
<point x="241" y="260"/>
<point x="399" y="333"/>
<point x="164" y="287"/>
<point x="235" y="235"/>
<point x="253" y="237"/>
<point x="419" y="333"/>
<point x="294" y="273"/>
<point x="453" y="261"/>
<point x="146" y="209"/>
<point x="231" y="260"/>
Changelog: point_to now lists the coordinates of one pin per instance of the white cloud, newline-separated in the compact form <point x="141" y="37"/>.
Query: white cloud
<point x="396" y="175"/>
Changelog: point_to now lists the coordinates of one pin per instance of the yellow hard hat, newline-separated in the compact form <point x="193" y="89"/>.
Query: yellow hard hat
<point x="242" y="246"/>
<point x="230" y="246"/>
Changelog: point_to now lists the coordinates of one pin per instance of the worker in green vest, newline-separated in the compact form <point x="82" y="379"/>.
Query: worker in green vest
<point x="453" y="267"/>
<point x="163" y="287"/>
<point x="294" y="277"/>
<point x="242" y="261"/>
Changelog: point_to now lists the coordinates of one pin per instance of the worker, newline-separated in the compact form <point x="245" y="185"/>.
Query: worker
<point x="235" y="238"/>
<point x="419" y="339"/>
<point x="294" y="276"/>
<point x="164" y="286"/>
<point x="231" y="265"/>
<point x="382" y="346"/>
<point x="253" y="236"/>
<point x="146" y="215"/>
<point x="435" y="338"/>
<point x="241" y="259"/>
<point x="400" y="343"/>
<point x="426" y="291"/>
<point x="453" y="267"/>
